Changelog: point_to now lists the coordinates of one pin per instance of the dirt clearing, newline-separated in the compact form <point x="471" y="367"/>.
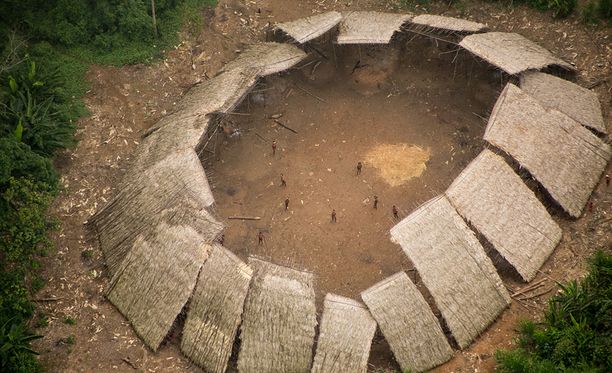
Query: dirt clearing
<point x="125" y="101"/>
<point x="410" y="124"/>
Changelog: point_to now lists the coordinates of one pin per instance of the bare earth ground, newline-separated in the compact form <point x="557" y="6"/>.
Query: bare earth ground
<point x="435" y="115"/>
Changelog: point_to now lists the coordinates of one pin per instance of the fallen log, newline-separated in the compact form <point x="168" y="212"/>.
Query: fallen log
<point x="244" y="217"/>
<point x="284" y="126"/>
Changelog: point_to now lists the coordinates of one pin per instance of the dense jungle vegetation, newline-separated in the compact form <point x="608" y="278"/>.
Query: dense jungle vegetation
<point x="46" y="46"/>
<point x="576" y="333"/>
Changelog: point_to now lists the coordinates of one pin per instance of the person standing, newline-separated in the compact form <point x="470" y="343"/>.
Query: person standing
<point x="359" y="167"/>
<point x="260" y="238"/>
<point x="333" y="216"/>
<point x="375" y="202"/>
<point x="395" y="212"/>
<point x="273" y="148"/>
<point x="286" y="204"/>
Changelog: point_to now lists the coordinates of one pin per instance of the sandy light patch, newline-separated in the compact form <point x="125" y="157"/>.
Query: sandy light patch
<point x="398" y="163"/>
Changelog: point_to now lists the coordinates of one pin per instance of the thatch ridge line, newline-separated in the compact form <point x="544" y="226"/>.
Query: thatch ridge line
<point x="347" y="304"/>
<point x="451" y="25"/>
<point x="562" y="155"/>
<point x="370" y="27"/>
<point x="511" y="52"/>
<point x="320" y="24"/>
<point x="501" y="99"/>
<point x="577" y="102"/>
<point x="263" y="260"/>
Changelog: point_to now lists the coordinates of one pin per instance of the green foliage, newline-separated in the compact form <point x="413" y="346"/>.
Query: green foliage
<point x="69" y="320"/>
<point x="70" y="340"/>
<point x="589" y="13"/>
<point x="27" y="185"/>
<point x="410" y="4"/>
<point x="560" y="8"/>
<point x="87" y="254"/>
<point x="23" y="231"/>
<point x="604" y="9"/>
<point x="106" y="31"/>
<point x="577" y="331"/>
<point x="32" y="108"/>
<point x="15" y="350"/>
<point x="17" y="161"/>
<point x="41" y="321"/>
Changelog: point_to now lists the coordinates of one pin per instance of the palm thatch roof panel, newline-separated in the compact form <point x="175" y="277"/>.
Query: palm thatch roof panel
<point x="266" y="58"/>
<point x="279" y="320"/>
<point x="471" y="295"/>
<point x="578" y="103"/>
<point x="408" y="324"/>
<point x="345" y="336"/>
<point x="448" y="24"/>
<point x="174" y="190"/>
<point x="187" y="126"/>
<point x="370" y="27"/>
<point x="306" y="29"/>
<point x="156" y="279"/>
<point x="215" y="310"/>
<point x="511" y="52"/>
<point x="494" y="199"/>
<point x="566" y="158"/>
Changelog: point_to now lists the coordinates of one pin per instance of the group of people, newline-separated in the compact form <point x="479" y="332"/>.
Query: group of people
<point x="334" y="215"/>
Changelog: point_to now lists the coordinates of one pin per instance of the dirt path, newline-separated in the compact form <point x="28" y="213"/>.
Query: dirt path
<point x="125" y="101"/>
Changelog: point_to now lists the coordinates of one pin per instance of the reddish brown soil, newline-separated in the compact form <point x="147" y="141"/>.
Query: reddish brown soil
<point x="125" y="101"/>
<point x="395" y="99"/>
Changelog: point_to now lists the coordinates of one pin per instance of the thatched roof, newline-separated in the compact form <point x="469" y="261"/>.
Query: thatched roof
<point x="453" y="267"/>
<point x="345" y="336"/>
<point x="215" y="310"/>
<point x="580" y="104"/>
<point x="494" y="199"/>
<point x="305" y="29"/>
<point x="156" y="279"/>
<point x="451" y="24"/>
<point x="370" y="27"/>
<point x="511" y="52"/>
<point x="566" y="158"/>
<point x="278" y="327"/>
<point x="266" y="58"/>
<point x="408" y="324"/>
<point x="186" y="127"/>
<point x="173" y="190"/>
